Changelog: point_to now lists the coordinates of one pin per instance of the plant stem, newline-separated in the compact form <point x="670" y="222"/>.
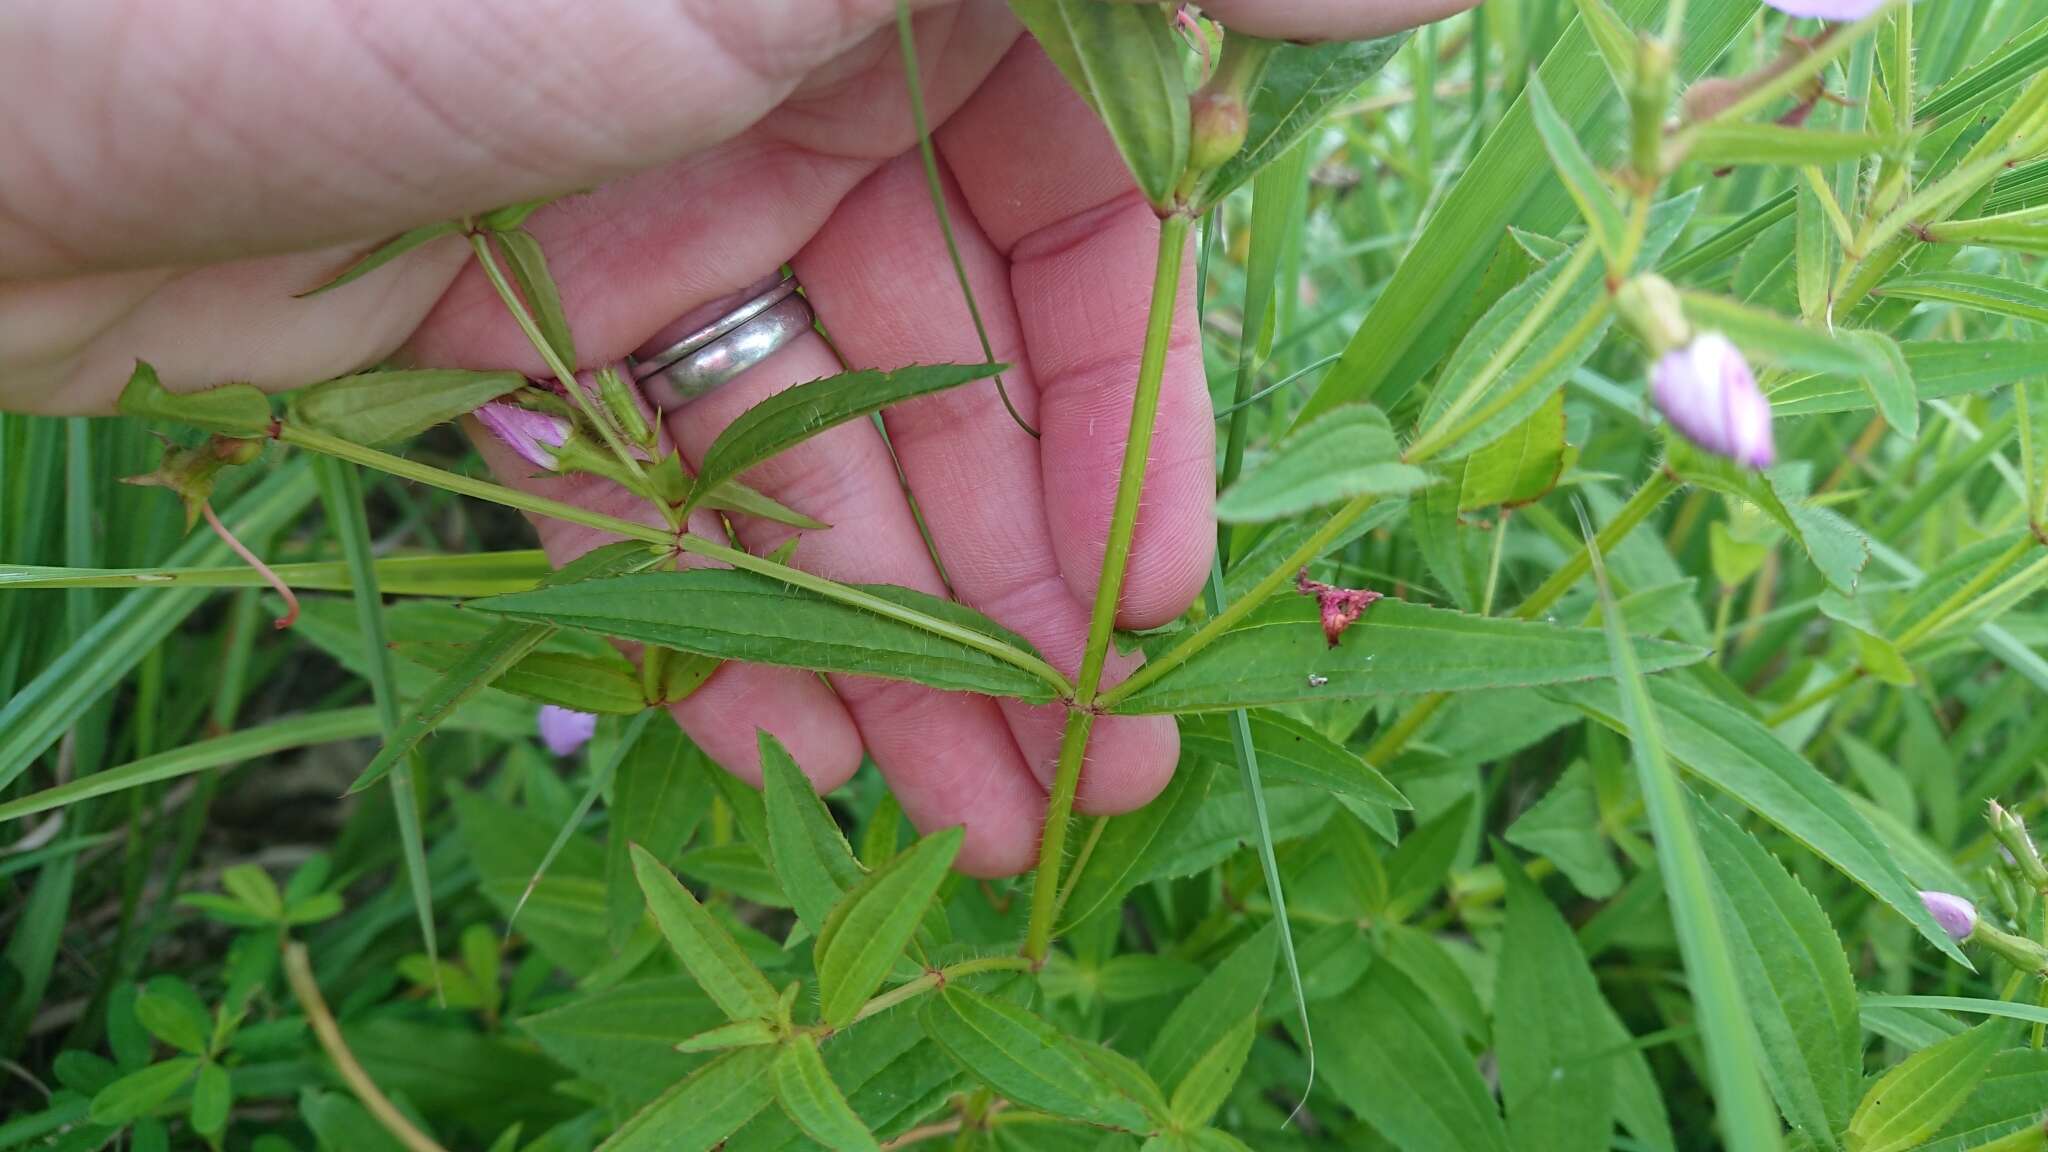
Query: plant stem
<point x="1116" y="554"/>
<point x="1960" y="599"/>
<point x="399" y="466"/>
<point x="299" y="972"/>
<point x="1820" y="695"/>
<point x="1045" y="886"/>
<point x="935" y="978"/>
<point x="1095" y="830"/>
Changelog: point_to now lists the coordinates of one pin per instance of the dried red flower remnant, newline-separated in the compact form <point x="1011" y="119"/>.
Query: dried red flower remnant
<point x="1341" y="607"/>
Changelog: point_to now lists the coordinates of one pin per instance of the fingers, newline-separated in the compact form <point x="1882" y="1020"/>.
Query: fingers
<point x="174" y="131"/>
<point x="723" y="714"/>
<point x="1047" y="187"/>
<point x="948" y="756"/>
<point x="1327" y="19"/>
<point x="883" y="285"/>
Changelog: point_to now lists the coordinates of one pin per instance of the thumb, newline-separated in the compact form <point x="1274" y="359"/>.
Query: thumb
<point x="184" y="131"/>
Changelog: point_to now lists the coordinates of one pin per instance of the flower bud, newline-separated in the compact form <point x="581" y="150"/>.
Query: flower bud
<point x="1709" y="394"/>
<point x="1217" y="123"/>
<point x="1651" y="306"/>
<point x="1957" y="916"/>
<point x="2017" y="951"/>
<point x="536" y="436"/>
<point x="2011" y="832"/>
<point x="564" y="730"/>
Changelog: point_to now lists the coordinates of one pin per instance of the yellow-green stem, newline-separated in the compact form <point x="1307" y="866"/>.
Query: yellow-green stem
<point x="936" y="978"/>
<point x="1957" y="602"/>
<point x="298" y="972"/>
<point x="1045" y="887"/>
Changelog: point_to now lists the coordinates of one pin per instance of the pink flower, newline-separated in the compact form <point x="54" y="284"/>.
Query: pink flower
<point x="534" y="435"/>
<point x="564" y="730"/>
<point x="1708" y="392"/>
<point x="1827" y="9"/>
<point x="1341" y="607"/>
<point x="1957" y="916"/>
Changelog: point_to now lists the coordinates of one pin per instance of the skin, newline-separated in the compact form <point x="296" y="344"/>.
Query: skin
<point x="145" y="212"/>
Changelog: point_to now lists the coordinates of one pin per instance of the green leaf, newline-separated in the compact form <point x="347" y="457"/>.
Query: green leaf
<point x="1026" y="1059"/>
<point x="659" y="793"/>
<point x="734" y="1034"/>
<point x="1998" y="295"/>
<point x="1711" y="972"/>
<point x="229" y="409"/>
<point x="212" y="1096"/>
<point x="1939" y="369"/>
<point x="1837" y="548"/>
<point x="1208" y="1082"/>
<point x="1615" y="40"/>
<point x="2007" y="1100"/>
<point x="537" y="286"/>
<point x="1723" y="143"/>
<point x="1299" y="86"/>
<point x="140" y="1093"/>
<point x="1869" y="356"/>
<point x="381" y="407"/>
<point x="251" y="885"/>
<point x="1132" y="843"/>
<point x="794" y="415"/>
<point x="697" y="1113"/>
<point x="1549" y="1033"/>
<point x="810" y="853"/>
<point x="1401" y="1068"/>
<point x="1801" y="994"/>
<point x="1209" y="1019"/>
<point x="706" y="949"/>
<point x="385" y="253"/>
<point x="1565" y="828"/>
<point x="172" y="1014"/>
<point x="1350" y="452"/>
<point x="1277" y="655"/>
<point x="1294" y="753"/>
<point x="602" y="682"/>
<point x="873" y="923"/>
<point x="806" y="1092"/>
<point x="1735" y="753"/>
<point x="737" y="615"/>
<point x="1520" y="467"/>
<point x="1123" y="61"/>
<point x="1596" y="205"/>
<point x="1913" y="1100"/>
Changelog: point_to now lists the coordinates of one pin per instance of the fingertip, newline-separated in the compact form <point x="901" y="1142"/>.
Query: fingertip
<point x="727" y="712"/>
<point x="1129" y="761"/>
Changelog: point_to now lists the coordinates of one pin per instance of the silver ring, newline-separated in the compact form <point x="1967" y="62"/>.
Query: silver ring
<point x="676" y="373"/>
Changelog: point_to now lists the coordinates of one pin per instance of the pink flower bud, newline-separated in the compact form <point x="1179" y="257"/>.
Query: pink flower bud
<point x="1957" y="916"/>
<point x="564" y="730"/>
<point x="1827" y="9"/>
<point x="1707" y="392"/>
<point x="534" y="435"/>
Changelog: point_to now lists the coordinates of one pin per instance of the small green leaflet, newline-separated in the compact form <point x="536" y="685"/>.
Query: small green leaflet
<point x="1596" y="205"/>
<point x="1123" y="60"/>
<point x="1278" y="655"/>
<point x="1349" y="452"/>
<point x="796" y="414"/>
<point x="1292" y="752"/>
<point x="808" y="850"/>
<point x="1913" y="1100"/>
<point x="381" y="407"/>
<point x="1520" y="467"/>
<point x="737" y="615"/>
<point x="806" y="1092"/>
<point x="697" y="1113"/>
<point x="230" y="409"/>
<point x="873" y="923"/>
<point x="140" y="1093"/>
<point x="537" y="286"/>
<point x="1299" y="85"/>
<point x="386" y="252"/>
<point x="1209" y="1019"/>
<point x="1027" y="1059"/>
<point x="706" y="949"/>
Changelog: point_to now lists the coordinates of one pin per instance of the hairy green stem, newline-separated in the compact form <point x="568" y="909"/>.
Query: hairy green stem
<point x="936" y="978"/>
<point x="1045" y="886"/>
<point x="1931" y="623"/>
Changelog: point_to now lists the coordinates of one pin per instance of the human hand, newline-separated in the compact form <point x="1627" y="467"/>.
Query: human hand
<point x="187" y="171"/>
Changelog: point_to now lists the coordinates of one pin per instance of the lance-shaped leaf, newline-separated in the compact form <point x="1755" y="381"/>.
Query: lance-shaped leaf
<point x="806" y="1092"/>
<point x="141" y="1092"/>
<point x="1520" y="467"/>
<point x="874" y="922"/>
<point x="1998" y="295"/>
<point x="1801" y="994"/>
<point x="1575" y="168"/>
<point x="1939" y="368"/>
<point x="230" y="409"/>
<point x="1913" y="1100"/>
<point x="1027" y="1060"/>
<point x="537" y="286"/>
<point x="1123" y="61"/>
<point x="1277" y="655"/>
<point x="1736" y="753"/>
<point x="1291" y="752"/>
<point x="599" y="681"/>
<point x="1551" y="1033"/>
<point x="661" y="790"/>
<point x="706" y="949"/>
<point x="1403" y="1069"/>
<point x="1209" y="1018"/>
<point x="737" y="615"/>
<point x="1870" y="357"/>
<point x="380" y="407"/>
<point x="809" y="851"/>
<point x="385" y="253"/>
<point x="794" y="415"/>
<point x="1300" y="84"/>
<point x="1349" y="452"/>
<point x="696" y="1114"/>
<point x="1131" y="844"/>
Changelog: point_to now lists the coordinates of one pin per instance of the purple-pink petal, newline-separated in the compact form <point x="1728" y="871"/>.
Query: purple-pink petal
<point x="1827" y="9"/>
<point x="534" y="435"/>
<point x="1957" y="916"/>
<point x="1709" y="394"/>
<point x="564" y="730"/>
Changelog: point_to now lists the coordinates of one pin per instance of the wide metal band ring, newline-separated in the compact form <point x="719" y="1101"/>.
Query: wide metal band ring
<point x="748" y="333"/>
